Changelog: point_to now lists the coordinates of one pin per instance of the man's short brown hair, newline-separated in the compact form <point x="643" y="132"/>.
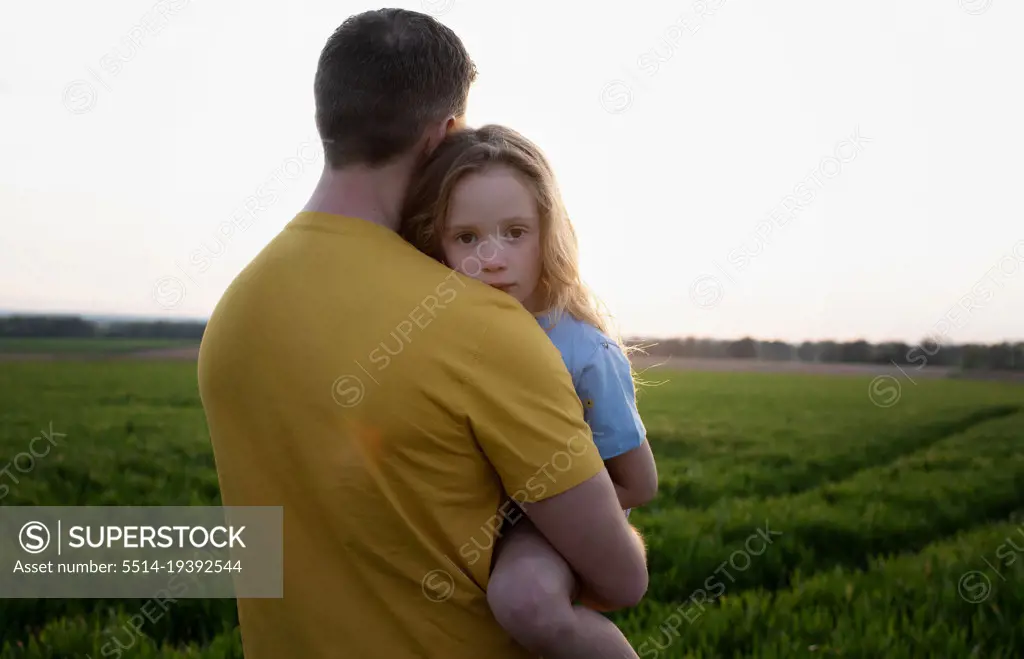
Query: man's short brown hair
<point x="382" y="78"/>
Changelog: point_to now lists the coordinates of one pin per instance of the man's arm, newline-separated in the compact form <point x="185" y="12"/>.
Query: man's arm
<point x="529" y="422"/>
<point x="586" y="525"/>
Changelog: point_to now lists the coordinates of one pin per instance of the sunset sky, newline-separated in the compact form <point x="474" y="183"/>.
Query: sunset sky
<point x="799" y="170"/>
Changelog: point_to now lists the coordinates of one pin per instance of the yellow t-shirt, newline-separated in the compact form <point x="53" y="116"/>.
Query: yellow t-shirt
<point x="385" y="402"/>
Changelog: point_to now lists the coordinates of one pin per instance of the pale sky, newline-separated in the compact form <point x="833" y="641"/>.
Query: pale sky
<point x="675" y="129"/>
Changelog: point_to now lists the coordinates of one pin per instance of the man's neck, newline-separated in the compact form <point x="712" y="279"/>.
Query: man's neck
<point x="374" y="195"/>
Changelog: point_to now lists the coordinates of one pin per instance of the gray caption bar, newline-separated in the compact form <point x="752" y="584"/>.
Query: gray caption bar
<point x="168" y="552"/>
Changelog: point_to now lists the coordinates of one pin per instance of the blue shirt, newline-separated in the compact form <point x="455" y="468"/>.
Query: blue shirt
<point x="602" y="379"/>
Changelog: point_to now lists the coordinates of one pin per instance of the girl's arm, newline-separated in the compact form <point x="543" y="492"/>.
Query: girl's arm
<point x="606" y="388"/>
<point x="635" y="476"/>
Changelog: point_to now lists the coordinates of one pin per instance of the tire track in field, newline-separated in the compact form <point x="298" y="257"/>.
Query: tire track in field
<point x="978" y="478"/>
<point x="930" y="575"/>
<point x="839" y="467"/>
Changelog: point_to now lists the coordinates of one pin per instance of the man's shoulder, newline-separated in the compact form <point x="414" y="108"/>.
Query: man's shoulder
<point x="501" y="321"/>
<point x="509" y="345"/>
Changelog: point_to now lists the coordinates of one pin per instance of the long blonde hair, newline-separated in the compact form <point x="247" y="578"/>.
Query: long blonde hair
<point x="473" y="150"/>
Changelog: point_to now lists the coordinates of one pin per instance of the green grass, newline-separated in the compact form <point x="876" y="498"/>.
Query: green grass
<point x="873" y="514"/>
<point x="88" y="346"/>
<point x="945" y="601"/>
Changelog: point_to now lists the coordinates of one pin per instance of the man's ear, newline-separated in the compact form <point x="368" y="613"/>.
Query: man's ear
<point x="435" y="135"/>
<point x="455" y="123"/>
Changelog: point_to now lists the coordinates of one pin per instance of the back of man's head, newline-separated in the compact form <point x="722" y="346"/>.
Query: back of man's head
<point x="383" y="78"/>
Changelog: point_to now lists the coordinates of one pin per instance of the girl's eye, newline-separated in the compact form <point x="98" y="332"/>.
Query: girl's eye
<point x="516" y="233"/>
<point x="464" y="238"/>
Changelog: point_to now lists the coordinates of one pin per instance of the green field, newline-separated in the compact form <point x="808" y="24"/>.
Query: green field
<point x="795" y="518"/>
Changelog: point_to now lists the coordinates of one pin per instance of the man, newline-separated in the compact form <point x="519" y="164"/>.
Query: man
<point x="387" y="403"/>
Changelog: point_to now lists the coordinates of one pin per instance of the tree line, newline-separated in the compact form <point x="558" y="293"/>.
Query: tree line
<point x="77" y="327"/>
<point x="930" y="352"/>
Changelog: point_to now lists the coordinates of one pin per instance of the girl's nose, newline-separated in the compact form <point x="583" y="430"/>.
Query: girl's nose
<point x="492" y="258"/>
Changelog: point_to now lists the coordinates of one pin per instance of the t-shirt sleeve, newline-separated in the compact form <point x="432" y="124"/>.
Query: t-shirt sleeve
<point x="606" y="387"/>
<point x="524" y="411"/>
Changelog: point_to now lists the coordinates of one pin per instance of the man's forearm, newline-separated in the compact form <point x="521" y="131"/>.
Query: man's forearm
<point x="586" y="597"/>
<point x="639" y="539"/>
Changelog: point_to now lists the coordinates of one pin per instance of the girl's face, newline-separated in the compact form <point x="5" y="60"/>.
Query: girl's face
<point x="493" y="233"/>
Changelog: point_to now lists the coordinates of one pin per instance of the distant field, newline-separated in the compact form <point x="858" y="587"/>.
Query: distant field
<point x="188" y="350"/>
<point x="772" y="366"/>
<point x="167" y="349"/>
<point x="795" y="518"/>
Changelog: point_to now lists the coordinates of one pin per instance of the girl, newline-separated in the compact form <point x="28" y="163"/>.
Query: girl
<point x="491" y="184"/>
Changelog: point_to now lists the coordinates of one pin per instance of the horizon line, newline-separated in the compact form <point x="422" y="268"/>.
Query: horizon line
<point x="626" y="336"/>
